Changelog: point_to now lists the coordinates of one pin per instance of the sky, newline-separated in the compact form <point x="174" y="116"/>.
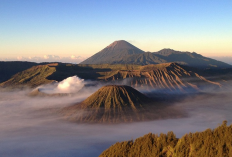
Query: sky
<point x="73" y="30"/>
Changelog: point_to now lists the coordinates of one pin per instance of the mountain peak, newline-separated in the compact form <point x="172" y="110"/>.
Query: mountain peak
<point x="111" y="104"/>
<point x="113" y="53"/>
<point x="121" y="44"/>
<point x="115" y="95"/>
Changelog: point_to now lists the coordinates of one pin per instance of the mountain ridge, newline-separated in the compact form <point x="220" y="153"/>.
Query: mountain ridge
<point x="122" y="52"/>
<point x="168" y="76"/>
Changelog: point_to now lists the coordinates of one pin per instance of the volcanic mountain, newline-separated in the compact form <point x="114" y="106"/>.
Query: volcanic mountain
<point x="113" y="53"/>
<point x="122" y="52"/>
<point x="115" y="104"/>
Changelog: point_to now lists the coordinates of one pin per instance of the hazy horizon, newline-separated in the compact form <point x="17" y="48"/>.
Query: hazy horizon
<point x="77" y="59"/>
<point x="81" y="28"/>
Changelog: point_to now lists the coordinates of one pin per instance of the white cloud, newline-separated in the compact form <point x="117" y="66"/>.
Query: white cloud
<point x="73" y="57"/>
<point x="52" y="57"/>
<point x="47" y="58"/>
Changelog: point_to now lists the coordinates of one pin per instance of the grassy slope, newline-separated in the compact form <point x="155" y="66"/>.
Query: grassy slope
<point x="32" y="77"/>
<point x="9" y="68"/>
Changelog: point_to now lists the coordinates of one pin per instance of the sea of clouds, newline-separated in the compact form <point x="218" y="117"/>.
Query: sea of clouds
<point x="29" y="128"/>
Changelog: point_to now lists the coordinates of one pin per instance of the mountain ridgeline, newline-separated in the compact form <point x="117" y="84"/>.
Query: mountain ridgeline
<point x="9" y="68"/>
<point x="122" y="52"/>
<point x="166" y="76"/>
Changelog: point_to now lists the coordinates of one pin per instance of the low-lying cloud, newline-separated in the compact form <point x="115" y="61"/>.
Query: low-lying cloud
<point x="47" y="58"/>
<point x="30" y="129"/>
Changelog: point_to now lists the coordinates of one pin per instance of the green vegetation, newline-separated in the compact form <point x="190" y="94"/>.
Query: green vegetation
<point x="209" y="143"/>
<point x="9" y="68"/>
<point x="32" y="77"/>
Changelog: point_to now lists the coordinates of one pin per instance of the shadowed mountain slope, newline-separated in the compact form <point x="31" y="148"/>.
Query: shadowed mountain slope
<point x="9" y="68"/>
<point x="115" y="104"/>
<point x="141" y="59"/>
<point x="31" y="77"/>
<point x="190" y="59"/>
<point x="113" y="53"/>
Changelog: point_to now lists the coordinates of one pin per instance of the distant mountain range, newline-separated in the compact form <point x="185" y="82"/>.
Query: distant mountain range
<point x="122" y="52"/>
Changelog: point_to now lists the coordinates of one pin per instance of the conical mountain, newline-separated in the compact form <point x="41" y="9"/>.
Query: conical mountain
<point x="113" y="53"/>
<point x="115" y="104"/>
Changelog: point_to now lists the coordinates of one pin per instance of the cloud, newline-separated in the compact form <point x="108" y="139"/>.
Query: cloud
<point x="51" y="57"/>
<point x="69" y="85"/>
<point x="48" y="58"/>
<point x="32" y="127"/>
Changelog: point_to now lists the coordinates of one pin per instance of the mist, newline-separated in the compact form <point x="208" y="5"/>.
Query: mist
<point x="30" y="128"/>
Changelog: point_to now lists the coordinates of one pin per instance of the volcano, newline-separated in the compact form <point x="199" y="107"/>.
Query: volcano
<point x="115" y="104"/>
<point x="122" y="52"/>
<point x="113" y="53"/>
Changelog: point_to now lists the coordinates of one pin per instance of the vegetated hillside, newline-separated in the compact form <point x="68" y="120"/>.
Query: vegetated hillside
<point x="113" y="53"/>
<point x="9" y="68"/>
<point x="31" y="77"/>
<point x="209" y="143"/>
<point x="116" y="104"/>
<point x="167" y="76"/>
<point x="122" y="52"/>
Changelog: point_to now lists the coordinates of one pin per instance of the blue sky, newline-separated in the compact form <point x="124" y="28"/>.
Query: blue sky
<point x="65" y="28"/>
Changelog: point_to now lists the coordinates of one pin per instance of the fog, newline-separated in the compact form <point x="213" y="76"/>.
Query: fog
<point x="29" y="127"/>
